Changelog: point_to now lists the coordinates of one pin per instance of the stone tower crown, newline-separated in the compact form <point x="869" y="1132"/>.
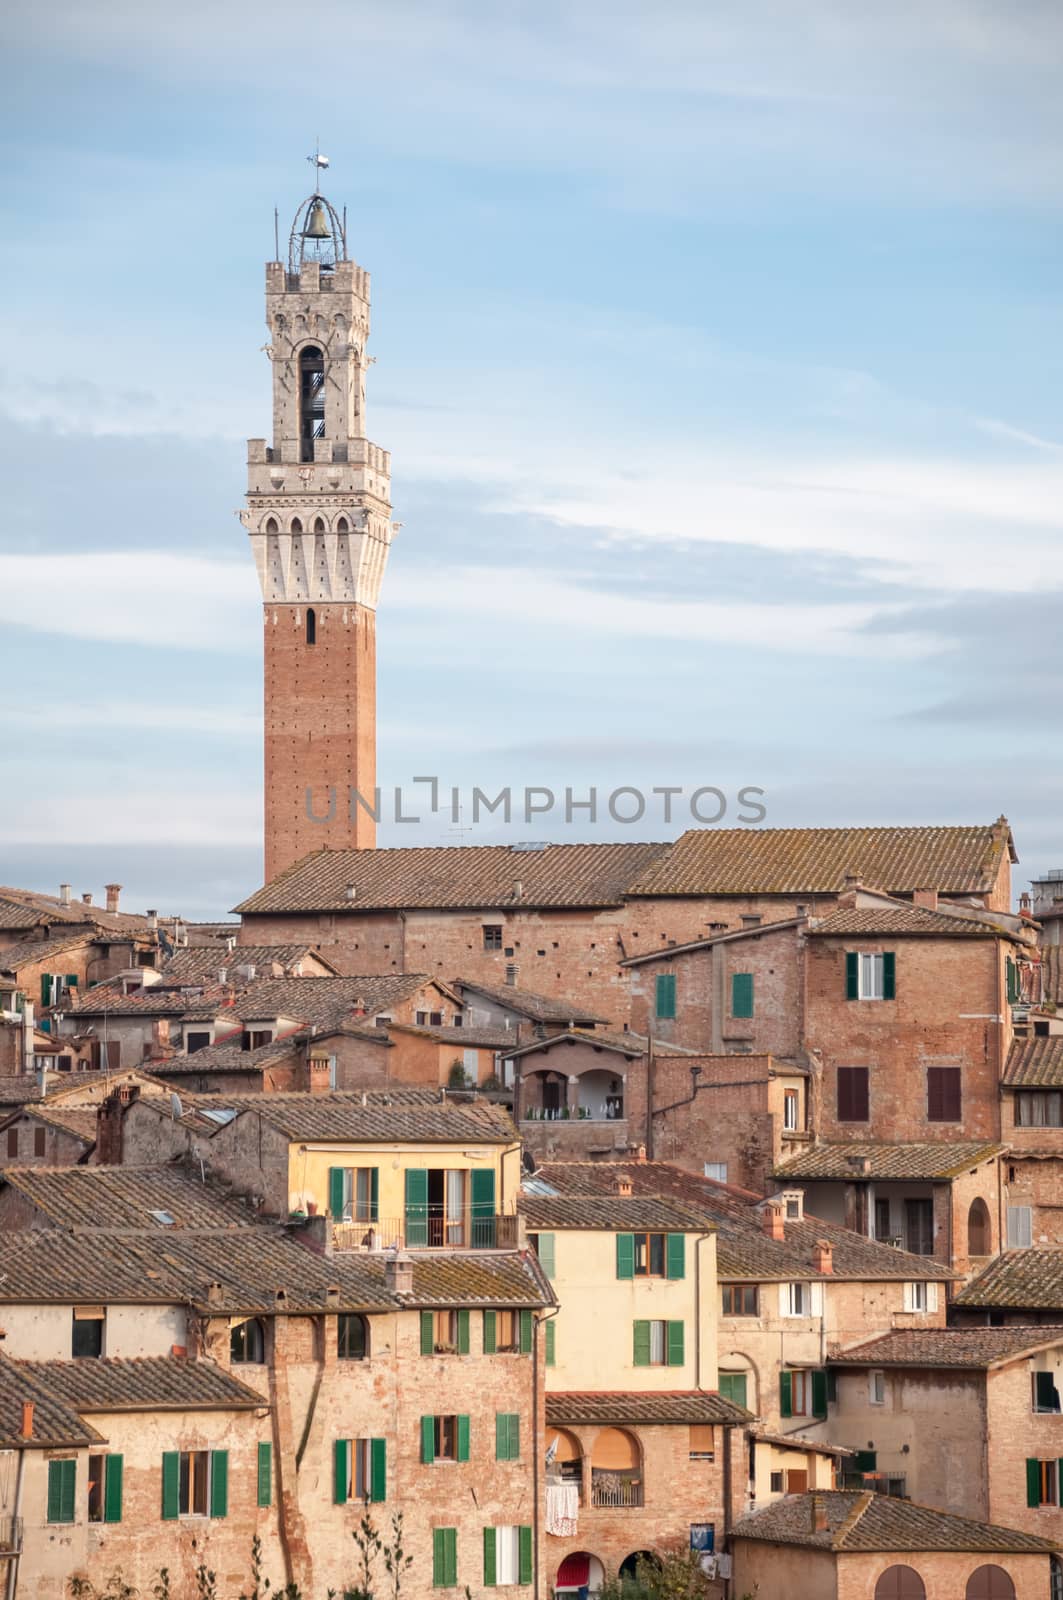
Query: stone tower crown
<point x="319" y="507"/>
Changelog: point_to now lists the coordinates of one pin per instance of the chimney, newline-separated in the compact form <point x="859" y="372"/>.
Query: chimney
<point x="26" y="1429"/>
<point x="64" y="894"/>
<point x="773" y="1222"/>
<point x="518" y="888"/>
<point x="818" y="1515"/>
<point x="160" y="1036"/>
<point x="861" y="1164"/>
<point x="398" y="1273"/>
<point x="86" y="899"/>
<point x="319" y="1072"/>
<point x="927" y="898"/>
<point x="640" y="1153"/>
<point x="332" y="1294"/>
<point x="351" y="892"/>
<point x="109" y="1129"/>
<point x="624" y="1187"/>
<point x="511" y="976"/>
<point x="214" y="1294"/>
<point x="112" y="891"/>
<point x="153" y="919"/>
<point x="823" y="1256"/>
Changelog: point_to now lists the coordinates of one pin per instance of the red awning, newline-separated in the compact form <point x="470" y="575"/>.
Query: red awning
<point x="574" y="1572"/>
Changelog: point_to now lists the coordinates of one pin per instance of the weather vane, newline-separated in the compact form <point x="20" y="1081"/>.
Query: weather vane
<point x="317" y="160"/>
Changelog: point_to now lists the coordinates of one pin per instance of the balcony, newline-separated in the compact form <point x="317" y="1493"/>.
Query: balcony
<point x="463" y="1230"/>
<point x="612" y="1111"/>
<point x="615" y="1490"/>
<point x="894" y="1484"/>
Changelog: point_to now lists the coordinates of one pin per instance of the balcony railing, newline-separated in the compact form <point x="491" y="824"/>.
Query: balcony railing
<point x="609" y="1113"/>
<point x="464" y="1230"/>
<point x="888" y="1483"/>
<point x="615" y="1489"/>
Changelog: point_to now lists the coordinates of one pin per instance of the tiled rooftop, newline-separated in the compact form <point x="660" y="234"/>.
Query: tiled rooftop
<point x="609" y="1213"/>
<point x="858" y="1521"/>
<point x="152" y="1000"/>
<point x="325" y="1000"/>
<point x="948" y="1347"/>
<point x="890" y="922"/>
<point x="536" y="1007"/>
<point x="195" y="963"/>
<point x="625" y="1043"/>
<point x="744" y="1252"/>
<point x="31" y="951"/>
<point x="721" y="861"/>
<point x="56" y="1424"/>
<point x="355" y="1118"/>
<point x="1035" y="1063"/>
<point x="923" y="1162"/>
<point x="78" y="1121"/>
<point x="146" y="1383"/>
<point x="665" y="1406"/>
<point x="24" y="908"/>
<point x="229" y="1057"/>
<point x="1031" y="1279"/>
<point x="457" y="876"/>
<point x="125" y="1197"/>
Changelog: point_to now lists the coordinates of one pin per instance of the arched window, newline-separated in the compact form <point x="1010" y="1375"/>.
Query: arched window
<point x="990" y="1583"/>
<point x="247" y="1341"/>
<point x="271" y="525"/>
<point x="579" y="1571"/>
<point x="342" y="525"/>
<point x="311" y="625"/>
<point x="900" y="1583"/>
<point x="564" y="1457"/>
<point x="979" y="1232"/>
<point x="352" y="1337"/>
<point x="311" y="400"/>
<point x="616" y="1469"/>
<point x="319" y="525"/>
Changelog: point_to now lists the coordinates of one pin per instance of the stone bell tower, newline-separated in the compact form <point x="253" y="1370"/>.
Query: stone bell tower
<point x="319" y="518"/>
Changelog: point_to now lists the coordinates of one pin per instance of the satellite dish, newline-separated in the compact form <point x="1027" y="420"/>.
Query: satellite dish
<point x="176" y="1108"/>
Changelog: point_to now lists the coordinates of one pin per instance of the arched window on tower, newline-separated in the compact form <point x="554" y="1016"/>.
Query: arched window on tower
<point x="271" y="525"/>
<point x="311" y="400"/>
<point x="297" y="526"/>
<point x="342" y="525"/>
<point x="319" y="524"/>
<point x="311" y="625"/>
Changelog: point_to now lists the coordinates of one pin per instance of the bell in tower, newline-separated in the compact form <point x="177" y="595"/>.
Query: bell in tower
<point x="317" y="235"/>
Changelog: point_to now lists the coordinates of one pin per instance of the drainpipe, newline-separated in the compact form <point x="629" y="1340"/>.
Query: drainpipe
<point x="537" y="1488"/>
<point x="13" y="1565"/>
<point x="651" y="1075"/>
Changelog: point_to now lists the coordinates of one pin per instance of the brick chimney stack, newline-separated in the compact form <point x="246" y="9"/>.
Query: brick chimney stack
<point x="398" y="1273"/>
<point x="818" y="1515"/>
<point x="927" y="898"/>
<point x="623" y="1186"/>
<point x="773" y="1221"/>
<point x="112" y="891"/>
<point x="26" y="1429"/>
<point x="86" y="899"/>
<point x="823" y="1256"/>
<point x="109" y="1124"/>
<point x="64" y="894"/>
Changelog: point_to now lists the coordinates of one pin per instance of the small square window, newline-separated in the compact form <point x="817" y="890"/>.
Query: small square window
<point x="492" y="933"/>
<point x="876" y="1384"/>
<point x="87" y="1337"/>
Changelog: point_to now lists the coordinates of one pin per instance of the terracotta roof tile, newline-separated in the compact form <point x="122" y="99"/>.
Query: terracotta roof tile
<point x="229" y="1057"/>
<point x="458" y="876"/>
<point x="890" y="922"/>
<point x="536" y="1007"/>
<point x="1030" y="1279"/>
<point x="858" y="1521"/>
<point x="194" y="963"/>
<point x="663" y="1406"/>
<point x="609" y="1213"/>
<point x="145" y="1383"/>
<point x="941" y="1160"/>
<point x="153" y="1000"/>
<point x="976" y="1348"/>
<point x="78" y="1121"/>
<point x="1035" y="1063"/>
<point x="353" y="1117"/>
<point x="125" y="1197"/>
<point x="31" y="951"/>
<point x="56" y="1424"/>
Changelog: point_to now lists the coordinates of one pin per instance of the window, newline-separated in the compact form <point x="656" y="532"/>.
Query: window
<point x="507" y="1556"/>
<point x="921" y="1297"/>
<point x="702" y="1441"/>
<point x="62" y="1484"/>
<point x="87" y="1335"/>
<point x="650" y="1255"/>
<point x="989" y="1583"/>
<point x="870" y="977"/>
<point x="507" y="1436"/>
<point x="716" y="1170"/>
<point x="775" y="1483"/>
<point x="550" y="1339"/>
<point x="854" y="1100"/>
<point x="247" y="1341"/>
<point x="1020" y="1227"/>
<point x="195" y="1483"/>
<point x="311" y="400"/>
<point x="39" y="1135"/>
<point x="979" y="1228"/>
<point x="359" y="1470"/>
<point x="444" y="1333"/>
<point x="741" y="994"/>
<point x="900" y="1583"/>
<point x="876" y="1388"/>
<point x="1045" y="1393"/>
<point x="943" y="1094"/>
<point x="545" y="1247"/>
<point x="751" y="919"/>
<point x="105" y="1488"/>
<point x="444" y="1558"/>
<point x="790" y="1109"/>
<point x="12" y="1141"/>
<point x="664" y="996"/>
<point x="658" y="1344"/>
<point x="196" y="1041"/>
<point x="803" y="1393"/>
<point x="1039" y="1110"/>
<point x="734" y="1386"/>
<point x="353" y="1193"/>
<point x="740" y="1300"/>
<point x="919" y="1227"/>
<point x="492" y="936"/>
<point x="1042" y="1483"/>
<point x="507" y="1333"/>
<point x="352" y="1337"/>
<point x="444" y="1438"/>
<point x="798" y="1300"/>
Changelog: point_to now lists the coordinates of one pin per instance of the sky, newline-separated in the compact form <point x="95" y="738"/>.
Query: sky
<point x="719" y="349"/>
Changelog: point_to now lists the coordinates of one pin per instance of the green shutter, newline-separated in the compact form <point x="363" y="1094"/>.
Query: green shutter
<point x="374" y="1194"/>
<point x="452" y="1557"/>
<point x="1012" y="972"/>
<point x="463" y="1438"/>
<point x="62" y="1479"/>
<point x="444" y="1557"/>
<point x="335" y="1192"/>
<point x="625" y="1255"/>
<point x="417" y="1206"/>
<point x="428" y="1439"/>
<point x="786" y="1394"/>
<point x="265" y="1473"/>
<point x="507" y="1436"/>
<point x="490" y="1564"/>
<point x="514" y="1436"/>
<point x="675" y="1356"/>
<point x="46" y="991"/>
<point x="852" y="975"/>
<point x="889" y="976"/>
<point x="550" y="1331"/>
<point x="378" y="1470"/>
<point x="340" y="1472"/>
<point x="741" y="994"/>
<point x="642" y="1344"/>
<point x="1033" y="1484"/>
<point x="524" y="1555"/>
<point x="463" y="1333"/>
<point x="676" y="1256"/>
<point x="490" y="1335"/>
<point x="547" y="1254"/>
<point x="733" y="1387"/>
<point x="428" y="1333"/>
<point x="665" y="996"/>
<point x="525" y="1333"/>
<point x="482" y="1192"/>
<point x="171" y="1485"/>
<point x="112" y="1488"/>
<point x="819" y="1393"/>
<point x="219" y="1483"/>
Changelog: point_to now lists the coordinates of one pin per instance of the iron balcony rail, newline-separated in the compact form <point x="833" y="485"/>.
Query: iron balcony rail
<point x="464" y="1230"/>
<point x="614" y="1489"/>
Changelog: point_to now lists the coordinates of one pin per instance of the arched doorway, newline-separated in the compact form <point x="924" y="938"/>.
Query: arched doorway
<point x="979" y="1229"/>
<point x="578" y="1571"/>
<point x="900" y="1583"/>
<point x="616" y="1469"/>
<point x="990" y="1583"/>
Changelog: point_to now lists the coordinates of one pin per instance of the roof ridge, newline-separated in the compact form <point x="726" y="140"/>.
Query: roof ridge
<point x="855" y="1516"/>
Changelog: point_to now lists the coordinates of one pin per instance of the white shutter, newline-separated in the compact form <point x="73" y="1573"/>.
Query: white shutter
<point x="931" y="1297"/>
<point x="817" y="1299"/>
<point x="784" y="1299"/>
<point x="909" y="1297"/>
